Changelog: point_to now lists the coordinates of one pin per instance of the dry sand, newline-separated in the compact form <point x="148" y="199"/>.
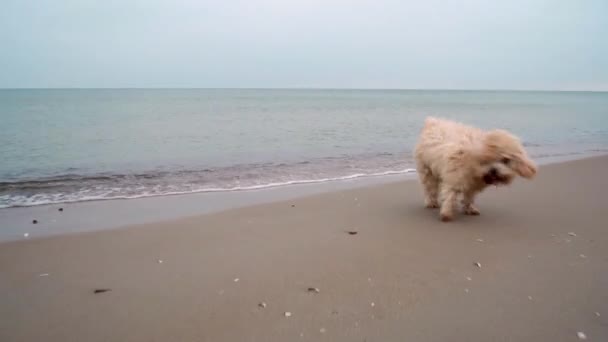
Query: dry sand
<point x="405" y="276"/>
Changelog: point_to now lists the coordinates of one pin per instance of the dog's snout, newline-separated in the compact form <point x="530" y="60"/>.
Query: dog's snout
<point x="493" y="172"/>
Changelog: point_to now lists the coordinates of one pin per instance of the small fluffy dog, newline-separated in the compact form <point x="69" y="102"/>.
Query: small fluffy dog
<point x="455" y="160"/>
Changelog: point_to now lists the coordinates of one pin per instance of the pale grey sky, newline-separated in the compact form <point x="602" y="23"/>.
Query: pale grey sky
<point x="475" y="44"/>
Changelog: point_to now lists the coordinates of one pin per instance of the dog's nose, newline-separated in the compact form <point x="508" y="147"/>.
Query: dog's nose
<point x="493" y="172"/>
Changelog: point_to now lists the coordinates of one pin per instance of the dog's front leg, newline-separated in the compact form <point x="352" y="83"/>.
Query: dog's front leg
<point x="467" y="203"/>
<point x="448" y="203"/>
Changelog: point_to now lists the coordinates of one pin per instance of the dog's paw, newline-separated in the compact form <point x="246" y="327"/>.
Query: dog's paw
<point x="446" y="217"/>
<point x="432" y="205"/>
<point x="471" y="210"/>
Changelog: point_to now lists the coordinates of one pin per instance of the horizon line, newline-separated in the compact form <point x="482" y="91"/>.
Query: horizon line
<point x="303" y="88"/>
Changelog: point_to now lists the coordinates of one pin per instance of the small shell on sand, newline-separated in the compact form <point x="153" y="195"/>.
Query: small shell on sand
<point x="236" y="280"/>
<point x="572" y="234"/>
<point x="469" y="278"/>
<point x="287" y="314"/>
<point x="262" y="305"/>
<point x="581" y="335"/>
<point x="373" y="304"/>
<point x="314" y="289"/>
<point x="43" y="275"/>
<point x="352" y="232"/>
<point x="477" y="264"/>
<point x="597" y="314"/>
<point x="26" y="235"/>
<point x="159" y="261"/>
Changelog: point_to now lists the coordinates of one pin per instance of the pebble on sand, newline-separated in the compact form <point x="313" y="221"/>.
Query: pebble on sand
<point x="572" y="234"/>
<point x="353" y="232"/>
<point x="60" y="209"/>
<point x="34" y="221"/>
<point x="477" y="264"/>
<point x="101" y="290"/>
<point x="314" y="289"/>
<point x="581" y="335"/>
<point x="287" y="314"/>
<point x="262" y="305"/>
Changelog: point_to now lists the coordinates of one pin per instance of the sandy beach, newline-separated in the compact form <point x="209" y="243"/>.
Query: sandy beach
<point x="402" y="275"/>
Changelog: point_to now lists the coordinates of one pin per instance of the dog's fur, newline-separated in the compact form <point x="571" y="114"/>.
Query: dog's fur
<point x="453" y="159"/>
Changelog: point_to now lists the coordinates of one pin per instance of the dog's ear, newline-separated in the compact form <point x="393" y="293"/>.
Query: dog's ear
<point x="488" y="150"/>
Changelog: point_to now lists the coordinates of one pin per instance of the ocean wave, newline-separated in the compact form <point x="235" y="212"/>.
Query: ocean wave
<point x="16" y="200"/>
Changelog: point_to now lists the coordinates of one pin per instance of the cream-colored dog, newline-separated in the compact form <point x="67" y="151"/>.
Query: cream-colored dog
<point x="455" y="160"/>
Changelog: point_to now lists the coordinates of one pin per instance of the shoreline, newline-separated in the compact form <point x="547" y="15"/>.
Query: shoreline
<point x="403" y="274"/>
<point x="121" y="213"/>
<point x="95" y="215"/>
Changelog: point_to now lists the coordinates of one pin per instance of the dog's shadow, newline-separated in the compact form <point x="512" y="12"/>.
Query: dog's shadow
<point x="490" y="218"/>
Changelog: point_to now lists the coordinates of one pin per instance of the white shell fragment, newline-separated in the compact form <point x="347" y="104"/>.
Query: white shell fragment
<point x="159" y="261"/>
<point x="26" y="235"/>
<point x="581" y="335"/>
<point x="479" y="240"/>
<point x="373" y="304"/>
<point x="262" y="305"/>
<point x="287" y="314"/>
<point x="469" y="278"/>
<point x="43" y="275"/>
<point x="314" y="289"/>
<point x="236" y="280"/>
<point x="477" y="264"/>
<point x="572" y="234"/>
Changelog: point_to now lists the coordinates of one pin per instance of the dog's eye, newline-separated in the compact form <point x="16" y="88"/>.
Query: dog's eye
<point x="505" y="160"/>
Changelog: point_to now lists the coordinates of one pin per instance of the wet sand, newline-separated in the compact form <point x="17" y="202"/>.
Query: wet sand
<point x="404" y="275"/>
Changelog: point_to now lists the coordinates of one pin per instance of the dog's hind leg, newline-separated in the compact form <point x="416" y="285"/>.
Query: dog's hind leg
<point x="448" y="202"/>
<point x="430" y="184"/>
<point x="467" y="203"/>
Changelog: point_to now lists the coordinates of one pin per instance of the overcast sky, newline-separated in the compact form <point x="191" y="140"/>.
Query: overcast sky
<point x="475" y="44"/>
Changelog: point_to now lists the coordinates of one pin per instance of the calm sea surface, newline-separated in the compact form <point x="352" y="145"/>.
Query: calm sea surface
<point x="74" y="145"/>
